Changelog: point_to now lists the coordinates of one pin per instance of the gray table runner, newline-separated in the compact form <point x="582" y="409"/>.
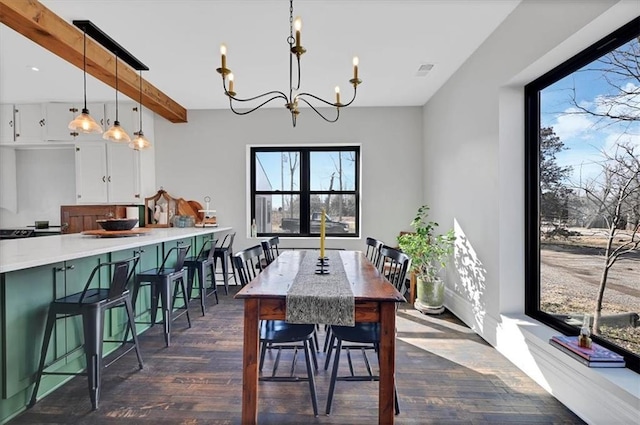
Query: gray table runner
<point x="326" y="299"/>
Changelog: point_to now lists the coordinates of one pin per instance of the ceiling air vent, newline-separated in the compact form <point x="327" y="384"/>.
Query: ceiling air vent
<point x="424" y="69"/>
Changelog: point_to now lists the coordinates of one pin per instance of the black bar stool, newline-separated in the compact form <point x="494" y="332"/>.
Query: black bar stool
<point x="199" y="264"/>
<point x="92" y="303"/>
<point x="161" y="281"/>
<point x="224" y="252"/>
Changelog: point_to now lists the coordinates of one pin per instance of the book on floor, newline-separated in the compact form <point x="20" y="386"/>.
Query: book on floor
<point x="595" y="356"/>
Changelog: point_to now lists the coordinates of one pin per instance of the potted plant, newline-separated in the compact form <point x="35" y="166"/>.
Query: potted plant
<point x="429" y="253"/>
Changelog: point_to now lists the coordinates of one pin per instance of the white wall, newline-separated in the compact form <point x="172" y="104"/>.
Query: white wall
<point x="208" y="156"/>
<point x="474" y="180"/>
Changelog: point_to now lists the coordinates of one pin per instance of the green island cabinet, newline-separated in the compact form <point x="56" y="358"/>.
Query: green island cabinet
<point x="25" y="295"/>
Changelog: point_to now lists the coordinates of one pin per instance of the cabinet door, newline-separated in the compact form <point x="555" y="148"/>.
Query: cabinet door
<point x="126" y="115"/>
<point x="58" y="116"/>
<point x="123" y="175"/>
<point x="91" y="172"/>
<point x="8" y="179"/>
<point x="7" y="124"/>
<point x="96" y="110"/>
<point x="30" y="122"/>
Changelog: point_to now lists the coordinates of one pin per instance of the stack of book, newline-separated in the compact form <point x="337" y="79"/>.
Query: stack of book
<point x="596" y="356"/>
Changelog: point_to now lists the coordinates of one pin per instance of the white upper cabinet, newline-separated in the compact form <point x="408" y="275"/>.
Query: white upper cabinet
<point x="7" y="124"/>
<point x="58" y="116"/>
<point x="107" y="172"/>
<point x="127" y="115"/>
<point x="30" y="122"/>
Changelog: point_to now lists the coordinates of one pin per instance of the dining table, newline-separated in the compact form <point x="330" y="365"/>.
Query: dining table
<point x="374" y="300"/>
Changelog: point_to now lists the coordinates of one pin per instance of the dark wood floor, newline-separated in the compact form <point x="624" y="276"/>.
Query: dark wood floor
<point x="445" y="375"/>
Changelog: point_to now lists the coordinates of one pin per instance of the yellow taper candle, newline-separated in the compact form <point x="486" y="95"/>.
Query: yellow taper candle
<point x="322" y="235"/>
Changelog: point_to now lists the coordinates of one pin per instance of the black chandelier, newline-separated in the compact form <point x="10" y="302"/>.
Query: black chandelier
<point x="294" y="98"/>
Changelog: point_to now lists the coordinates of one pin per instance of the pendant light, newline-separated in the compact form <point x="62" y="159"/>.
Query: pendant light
<point x="140" y="142"/>
<point x="84" y="122"/>
<point x="116" y="132"/>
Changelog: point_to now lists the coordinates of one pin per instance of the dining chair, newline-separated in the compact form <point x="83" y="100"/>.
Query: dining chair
<point x="279" y="333"/>
<point x="199" y="265"/>
<point x="365" y="336"/>
<point x="270" y="249"/>
<point x="161" y="281"/>
<point x="91" y="304"/>
<point x="373" y="250"/>
<point x="224" y="252"/>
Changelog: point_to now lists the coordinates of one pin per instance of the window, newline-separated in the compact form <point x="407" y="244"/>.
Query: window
<point x="582" y="194"/>
<point x="290" y="187"/>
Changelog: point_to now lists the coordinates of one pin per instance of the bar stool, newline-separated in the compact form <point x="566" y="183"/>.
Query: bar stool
<point x="92" y="303"/>
<point x="224" y="252"/>
<point x="199" y="264"/>
<point x="160" y="281"/>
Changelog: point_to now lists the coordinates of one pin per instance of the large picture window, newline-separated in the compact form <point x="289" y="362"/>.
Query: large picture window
<point x="291" y="186"/>
<point x="583" y="194"/>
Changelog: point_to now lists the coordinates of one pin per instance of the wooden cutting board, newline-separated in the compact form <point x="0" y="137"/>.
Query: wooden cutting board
<point x="197" y="207"/>
<point x="184" y="208"/>
<point x="116" y="233"/>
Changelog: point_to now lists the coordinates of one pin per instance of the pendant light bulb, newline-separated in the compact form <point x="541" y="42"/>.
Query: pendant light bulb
<point x="84" y="122"/>
<point x="116" y="133"/>
<point x="140" y="142"/>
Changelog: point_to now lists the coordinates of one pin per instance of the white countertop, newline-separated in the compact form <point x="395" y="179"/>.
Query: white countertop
<point x="18" y="254"/>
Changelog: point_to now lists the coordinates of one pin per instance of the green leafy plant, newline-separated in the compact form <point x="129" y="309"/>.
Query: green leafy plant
<point x="429" y="252"/>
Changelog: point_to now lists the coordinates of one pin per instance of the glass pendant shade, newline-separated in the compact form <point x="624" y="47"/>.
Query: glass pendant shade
<point x="116" y="133"/>
<point x="84" y="123"/>
<point x="139" y="142"/>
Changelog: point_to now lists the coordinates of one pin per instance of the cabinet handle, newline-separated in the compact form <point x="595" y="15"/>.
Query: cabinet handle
<point x="42" y="122"/>
<point x="17" y="134"/>
<point x="71" y="267"/>
<point x="101" y="121"/>
<point x="104" y="179"/>
<point x="60" y="269"/>
<point x="73" y="109"/>
<point x="74" y="134"/>
<point x="11" y="123"/>
<point x="108" y="122"/>
<point x="109" y="179"/>
<point x="137" y="195"/>
<point x="79" y="196"/>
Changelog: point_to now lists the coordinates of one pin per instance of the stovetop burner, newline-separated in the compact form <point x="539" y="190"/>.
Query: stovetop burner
<point x="17" y="233"/>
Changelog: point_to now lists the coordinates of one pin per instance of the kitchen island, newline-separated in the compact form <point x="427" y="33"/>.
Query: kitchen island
<point x="35" y="271"/>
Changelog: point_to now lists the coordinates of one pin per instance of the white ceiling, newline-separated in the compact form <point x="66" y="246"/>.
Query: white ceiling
<point x="179" y="41"/>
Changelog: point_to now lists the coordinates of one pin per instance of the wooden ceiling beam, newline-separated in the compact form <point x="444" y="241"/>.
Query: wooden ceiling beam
<point x="39" y="24"/>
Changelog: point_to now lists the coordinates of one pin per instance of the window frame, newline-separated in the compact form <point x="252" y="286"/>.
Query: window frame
<point x="305" y="191"/>
<point x="532" y="179"/>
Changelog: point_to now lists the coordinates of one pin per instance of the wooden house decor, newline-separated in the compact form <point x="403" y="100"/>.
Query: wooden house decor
<point x="159" y="209"/>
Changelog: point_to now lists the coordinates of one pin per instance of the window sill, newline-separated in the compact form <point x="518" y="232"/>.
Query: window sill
<point x="597" y="395"/>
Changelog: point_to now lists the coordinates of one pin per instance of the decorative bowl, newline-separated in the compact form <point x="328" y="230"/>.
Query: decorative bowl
<point x="112" y="224"/>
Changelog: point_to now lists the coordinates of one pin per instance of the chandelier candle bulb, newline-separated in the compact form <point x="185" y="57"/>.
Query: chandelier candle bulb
<point x="337" y="95"/>
<point x="355" y="67"/>
<point x="231" y="77"/>
<point x="298" y="26"/>
<point x="223" y="54"/>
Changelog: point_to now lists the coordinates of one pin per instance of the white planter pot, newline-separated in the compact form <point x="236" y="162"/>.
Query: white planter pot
<point x="430" y="296"/>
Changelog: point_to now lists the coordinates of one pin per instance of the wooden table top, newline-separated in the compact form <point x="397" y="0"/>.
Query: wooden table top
<point x="366" y="281"/>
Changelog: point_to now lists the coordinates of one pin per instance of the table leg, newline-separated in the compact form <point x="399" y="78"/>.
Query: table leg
<point x="387" y="363"/>
<point x="250" y="362"/>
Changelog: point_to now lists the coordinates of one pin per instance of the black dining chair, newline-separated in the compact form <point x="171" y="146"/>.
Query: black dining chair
<point x="165" y="283"/>
<point x="373" y="250"/>
<point x="199" y="265"/>
<point x="278" y="333"/>
<point x="365" y="336"/>
<point x="270" y="249"/>
<point x="91" y="304"/>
